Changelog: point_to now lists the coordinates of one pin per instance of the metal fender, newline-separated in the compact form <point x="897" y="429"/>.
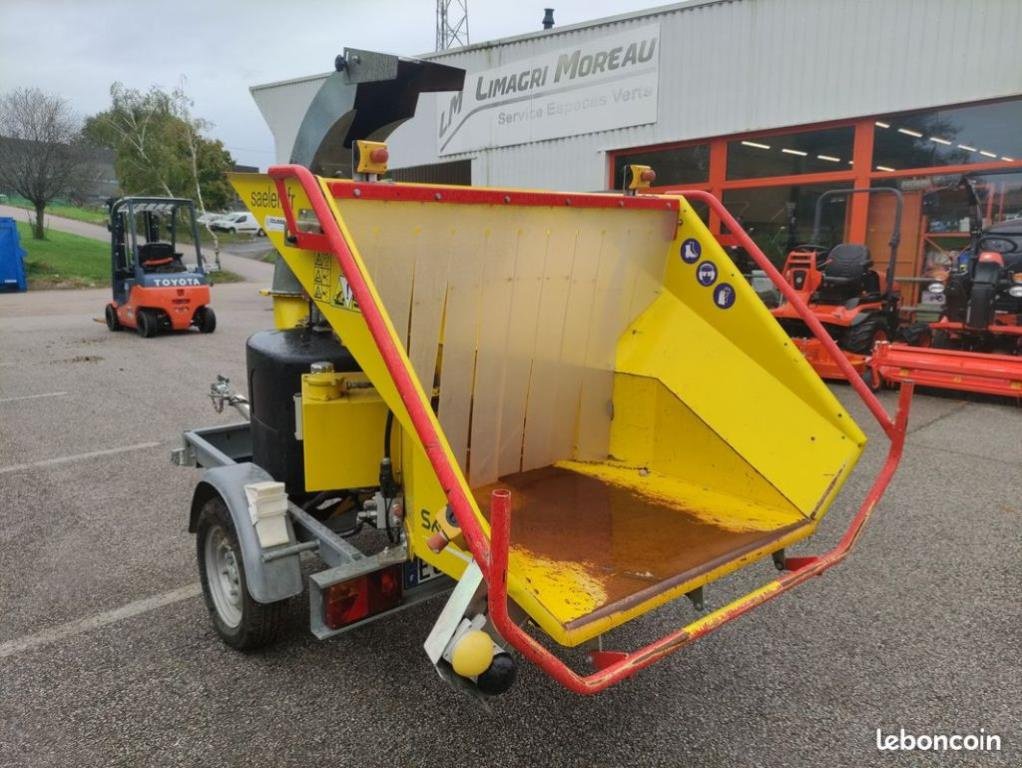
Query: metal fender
<point x="267" y="582"/>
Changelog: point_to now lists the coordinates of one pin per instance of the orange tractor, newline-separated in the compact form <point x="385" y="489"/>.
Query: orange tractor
<point x="154" y="290"/>
<point x="976" y="343"/>
<point x="842" y="290"/>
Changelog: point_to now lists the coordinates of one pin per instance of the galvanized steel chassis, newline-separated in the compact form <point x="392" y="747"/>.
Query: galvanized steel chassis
<point x="275" y="573"/>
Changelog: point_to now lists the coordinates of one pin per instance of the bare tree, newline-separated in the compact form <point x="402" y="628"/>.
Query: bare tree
<point x="43" y="153"/>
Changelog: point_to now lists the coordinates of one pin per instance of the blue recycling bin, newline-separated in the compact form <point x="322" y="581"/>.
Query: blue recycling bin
<point x="12" y="257"/>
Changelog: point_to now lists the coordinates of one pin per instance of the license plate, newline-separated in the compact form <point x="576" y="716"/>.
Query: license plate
<point x="418" y="571"/>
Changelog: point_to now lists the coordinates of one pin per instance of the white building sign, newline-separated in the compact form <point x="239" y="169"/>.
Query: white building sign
<point x="598" y="85"/>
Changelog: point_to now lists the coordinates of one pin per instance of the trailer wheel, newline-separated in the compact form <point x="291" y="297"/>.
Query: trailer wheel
<point x="240" y="621"/>
<point x="146" y="323"/>
<point x="112" y="321"/>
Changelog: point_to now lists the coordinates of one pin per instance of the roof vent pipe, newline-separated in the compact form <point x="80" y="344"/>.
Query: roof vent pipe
<point x="548" y="18"/>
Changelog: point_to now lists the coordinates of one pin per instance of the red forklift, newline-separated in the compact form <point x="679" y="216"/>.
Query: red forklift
<point x="843" y="291"/>
<point x="153" y="289"/>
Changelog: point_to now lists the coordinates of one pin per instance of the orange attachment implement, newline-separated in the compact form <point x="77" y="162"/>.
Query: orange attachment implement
<point x="979" y="372"/>
<point x="824" y="364"/>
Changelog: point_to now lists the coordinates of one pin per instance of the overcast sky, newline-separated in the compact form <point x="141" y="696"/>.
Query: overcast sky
<point x="78" y="48"/>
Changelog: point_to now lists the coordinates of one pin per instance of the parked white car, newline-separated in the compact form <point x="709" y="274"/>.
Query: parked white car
<point x="238" y="222"/>
<point x="208" y="218"/>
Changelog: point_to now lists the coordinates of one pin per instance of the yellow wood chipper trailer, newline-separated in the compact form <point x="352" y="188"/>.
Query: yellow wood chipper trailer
<point x="560" y="410"/>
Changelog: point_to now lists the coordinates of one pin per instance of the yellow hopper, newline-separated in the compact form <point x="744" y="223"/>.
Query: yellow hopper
<point x="588" y="374"/>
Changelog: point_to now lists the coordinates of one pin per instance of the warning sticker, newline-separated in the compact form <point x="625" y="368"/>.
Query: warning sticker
<point x="724" y="295"/>
<point x="321" y="282"/>
<point x="274" y="224"/>
<point x="691" y="251"/>
<point x="706" y="273"/>
<point x="345" y="297"/>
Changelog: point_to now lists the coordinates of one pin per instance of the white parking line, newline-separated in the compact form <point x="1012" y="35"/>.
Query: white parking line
<point x="30" y="397"/>
<point x="21" y="644"/>
<point x="76" y="457"/>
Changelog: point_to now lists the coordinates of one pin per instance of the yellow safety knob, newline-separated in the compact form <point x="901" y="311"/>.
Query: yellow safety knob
<point x="473" y="654"/>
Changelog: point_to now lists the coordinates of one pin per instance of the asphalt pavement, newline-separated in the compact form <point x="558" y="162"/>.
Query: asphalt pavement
<point x="107" y="657"/>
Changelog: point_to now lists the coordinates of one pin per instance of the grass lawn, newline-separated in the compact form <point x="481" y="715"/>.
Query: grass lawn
<point x="64" y="261"/>
<point x="98" y="215"/>
<point x="224" y="276"/>
<point x="69" y="261"/>
<point x="91" y="214"/>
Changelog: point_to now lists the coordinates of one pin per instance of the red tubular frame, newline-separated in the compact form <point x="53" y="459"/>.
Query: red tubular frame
<point x="791" y="295"/>
<point x="798" y="570"/>
<point x="492" y="555"/>
<point x="332" y="239"/>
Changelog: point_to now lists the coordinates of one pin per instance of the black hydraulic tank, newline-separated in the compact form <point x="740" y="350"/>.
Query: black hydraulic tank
<point x="276" y="361"/>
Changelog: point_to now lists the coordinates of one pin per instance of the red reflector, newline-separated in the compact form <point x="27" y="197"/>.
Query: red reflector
<point x="358" y="599"/>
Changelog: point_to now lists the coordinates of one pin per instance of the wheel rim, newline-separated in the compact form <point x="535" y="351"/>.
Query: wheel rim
<point x="223" y="575"/>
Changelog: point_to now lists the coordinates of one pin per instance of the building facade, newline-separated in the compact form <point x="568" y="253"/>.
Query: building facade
<point x="765" y="103"/>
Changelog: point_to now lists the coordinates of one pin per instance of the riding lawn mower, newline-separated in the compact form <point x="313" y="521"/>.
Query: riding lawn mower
<point x="843" y="291"/>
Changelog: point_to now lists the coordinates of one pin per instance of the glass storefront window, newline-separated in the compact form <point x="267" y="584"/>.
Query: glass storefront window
<point x="1000" y="195"/>
<point x="685" y="165"/>
<point x="826" y="151"/>
<point x="935" y="231"/>
<point x="779" y="218"/>
<point x="984" y="133"/>
<point x="945" y="205"/>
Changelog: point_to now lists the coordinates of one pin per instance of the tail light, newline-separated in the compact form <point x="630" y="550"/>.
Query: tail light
<point x="358" y="599"/>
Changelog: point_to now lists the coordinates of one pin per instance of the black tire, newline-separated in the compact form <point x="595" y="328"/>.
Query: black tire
<point x="260" y="232"/>
<point x="112" y="321"/>
<point x="861" y="338"/>
<point x="917" y="335"/>
<point x="205" y="319"/>
<point x="146" y="323"/>
<point x="255" y="625"/>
